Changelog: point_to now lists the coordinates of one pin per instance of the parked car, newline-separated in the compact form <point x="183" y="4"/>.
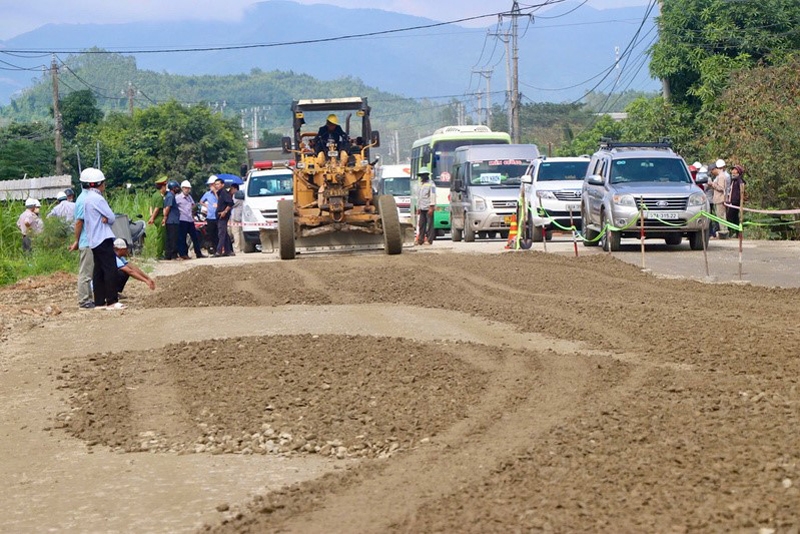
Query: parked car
<point x="485" y="188"/>
<point x="554" y="193"/>
<point x="624" y="178"/>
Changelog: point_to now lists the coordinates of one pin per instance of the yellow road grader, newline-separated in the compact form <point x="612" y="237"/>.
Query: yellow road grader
<point x="333" y="205"/>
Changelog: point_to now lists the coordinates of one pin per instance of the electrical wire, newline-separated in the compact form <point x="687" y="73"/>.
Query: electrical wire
<point x="270" y="45"/>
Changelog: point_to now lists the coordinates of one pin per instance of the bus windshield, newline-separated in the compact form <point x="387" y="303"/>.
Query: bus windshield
<point x="444" y="155"/>
<point x="396" y="186"/>
<point x="551" y="171"/>
<point x="499" y="172"/>
<point x="269" y="185"/>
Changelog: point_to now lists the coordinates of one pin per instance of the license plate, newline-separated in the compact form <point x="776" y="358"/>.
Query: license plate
<point x="574" y="208"/>
<point x="507" y="219"/>
<point x="660" y="215"/>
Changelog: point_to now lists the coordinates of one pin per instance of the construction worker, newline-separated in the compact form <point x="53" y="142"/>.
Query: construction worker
<point x="30" y="223"/>
<point x="126" y="270"/>
<point x="426" y="204"/>
<point x="331" y="131"/>
<point x="65" y="209"/>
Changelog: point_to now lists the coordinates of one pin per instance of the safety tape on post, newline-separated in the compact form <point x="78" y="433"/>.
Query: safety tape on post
<point x="235" y="224"/>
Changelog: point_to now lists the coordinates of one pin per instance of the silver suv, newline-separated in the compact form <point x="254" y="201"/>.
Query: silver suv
<point x="624" y="178"/>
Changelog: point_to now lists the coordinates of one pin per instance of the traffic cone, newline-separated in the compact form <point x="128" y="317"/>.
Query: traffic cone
<point x="512" y="233"/>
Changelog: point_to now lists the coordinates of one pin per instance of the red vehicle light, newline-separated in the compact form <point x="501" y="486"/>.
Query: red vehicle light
<point x="262" y="164"/>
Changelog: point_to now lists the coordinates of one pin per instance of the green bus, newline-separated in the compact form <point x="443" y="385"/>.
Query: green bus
<point x="435" y="154"/>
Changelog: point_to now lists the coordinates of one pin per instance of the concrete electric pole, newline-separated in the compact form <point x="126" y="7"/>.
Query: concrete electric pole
<point x="487" y="74"/>
<point x="514" y="14"/>
<point x="57" y="117"/>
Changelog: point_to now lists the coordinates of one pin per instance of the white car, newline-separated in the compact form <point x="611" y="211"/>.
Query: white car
<point x="554" y="192"/>
<point x="267" y="183"/>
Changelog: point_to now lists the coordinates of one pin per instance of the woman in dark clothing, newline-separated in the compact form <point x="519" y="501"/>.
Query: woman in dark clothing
<point x="736" y="196"/>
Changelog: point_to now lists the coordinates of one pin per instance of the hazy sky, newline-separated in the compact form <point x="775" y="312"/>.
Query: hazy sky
<point x="20" y="16"/>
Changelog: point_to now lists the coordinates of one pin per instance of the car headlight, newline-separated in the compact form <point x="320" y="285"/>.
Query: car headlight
<point x="479" y="203"/>
<point x="247" y="214"/>
<point x="624" y="200"/>
<point x="546" y="195"/>
<point x="697" y="199"/>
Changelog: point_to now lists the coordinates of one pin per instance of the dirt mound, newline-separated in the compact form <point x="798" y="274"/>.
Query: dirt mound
<point x="199" y="287"/>
<point x="343" y="396"/>
<point x="33" y="300"/>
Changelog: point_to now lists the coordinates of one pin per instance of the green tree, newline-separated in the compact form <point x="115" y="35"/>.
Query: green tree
<point x="650" y="119"/>
<point x="26" y="149"/>
<point x="587" y="141"/>
<point x="78" y="107"/>
<point x="759" y="128"/>
<point x="702" y="41"/>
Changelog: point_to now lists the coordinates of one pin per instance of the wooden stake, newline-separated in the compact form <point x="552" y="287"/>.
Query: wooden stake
<point x="641" y="229"/>
<point x="574" y="233"/>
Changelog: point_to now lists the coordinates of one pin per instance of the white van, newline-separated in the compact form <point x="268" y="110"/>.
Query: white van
<point x="395" y="180"/>
<point x="266" y="184"/>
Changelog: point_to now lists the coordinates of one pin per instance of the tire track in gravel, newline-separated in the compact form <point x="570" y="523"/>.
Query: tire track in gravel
<point x="524" y="400"/>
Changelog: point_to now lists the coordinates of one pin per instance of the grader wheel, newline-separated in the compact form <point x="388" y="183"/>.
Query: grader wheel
<point x="286" y="229"/>
<point x="392" y="232"/>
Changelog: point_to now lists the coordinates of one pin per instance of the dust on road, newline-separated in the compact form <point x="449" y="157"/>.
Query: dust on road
<point x="461" y="392"/>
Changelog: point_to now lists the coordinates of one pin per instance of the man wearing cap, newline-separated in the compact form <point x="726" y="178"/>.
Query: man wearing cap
<point x="65" y="209"/>
<point x="426" y="204"/>
<point x="331" y="131"/>
<point x="98" y="219"/>
<point x="172" y="219"/>
<point x="126" y="270"/>
<point x="29" y="223"/>
<point x="224" y="208"/>
<point x="209" y="200"/>
<point x="719" y="186"/>
<point x="186" y="206"/>
<point x="86" y="261"/>
<point x="156" y="211"/>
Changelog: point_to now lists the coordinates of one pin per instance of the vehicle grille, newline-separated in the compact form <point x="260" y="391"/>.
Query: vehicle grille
<point x="270" y="215"/>
<point x="504" y="204"/>
<point x="655" y="223"/>
<point x="567" y="195"/>
<point x="670" y="203"/>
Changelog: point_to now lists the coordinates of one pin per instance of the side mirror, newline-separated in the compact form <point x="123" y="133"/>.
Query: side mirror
<point x="701" y="179"/>
<point x="375" y="140"/>
<point x="239" y="195"/>
<point x="595" y="179"/>
<point x="426" y="155"/>
<point x="526" y="179"/>
<point x="286" y="144"/>
<point x="458" y="184"/>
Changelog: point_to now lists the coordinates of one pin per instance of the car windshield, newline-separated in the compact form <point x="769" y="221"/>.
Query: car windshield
<point x="444" y="155"/>
<point x="660" y="170"/>
<point x="498" y="172"/>
<point x="551" y="171"/>
<point x="396" y="186"/>
<point x="269" y="185"/>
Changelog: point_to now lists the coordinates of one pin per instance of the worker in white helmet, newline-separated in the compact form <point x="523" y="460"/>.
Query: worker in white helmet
<point x="29" y="223"/>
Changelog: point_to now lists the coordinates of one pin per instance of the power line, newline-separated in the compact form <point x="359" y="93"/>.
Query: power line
<point x="273" y="45"/>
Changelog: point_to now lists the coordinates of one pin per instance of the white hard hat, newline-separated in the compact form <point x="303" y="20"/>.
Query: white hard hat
<point x="62" y="196"/>
<point x="90" y="175"/>
<point x="186" y="183"/>
<point x="720" y="163"/>
<point x="120" y="243"/>
<point x="211" y="179"/>
<point x="32" y="203"/>
<point x="697" y="164"/>
<point x="703" y="169"/>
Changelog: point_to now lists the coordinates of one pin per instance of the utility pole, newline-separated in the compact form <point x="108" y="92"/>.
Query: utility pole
<point x="666" y="90"/>
<point x="397" y="146"/>
<point x="506" y="38"/>
<point x="131" y="92"/>
<point x="515" y="14"/>
<point x="487" y="74"/>
<point x="57" y="117"/>
<point x="479" y="94"/>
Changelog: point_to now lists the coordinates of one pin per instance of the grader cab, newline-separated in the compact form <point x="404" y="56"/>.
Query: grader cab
<point x="333" y="205"/>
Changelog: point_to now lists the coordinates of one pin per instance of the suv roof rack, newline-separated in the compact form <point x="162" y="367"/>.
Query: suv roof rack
<point x="610" y="144"/>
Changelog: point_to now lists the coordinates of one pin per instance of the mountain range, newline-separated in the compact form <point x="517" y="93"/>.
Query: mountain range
<point x="568" y="48"/>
